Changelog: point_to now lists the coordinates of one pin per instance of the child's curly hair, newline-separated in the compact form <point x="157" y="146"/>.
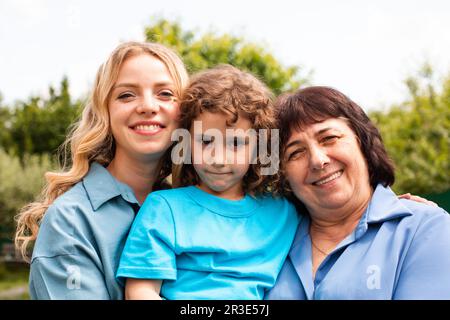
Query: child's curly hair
<point x="227" y="89"/>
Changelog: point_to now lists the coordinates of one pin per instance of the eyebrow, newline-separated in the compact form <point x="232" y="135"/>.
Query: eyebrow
<point x="135" y="85"/>
<point x="125" y="85"/>
<point x="322" y="131"/>
<point x="293" y="143"/>
<point x="318" y="133"/>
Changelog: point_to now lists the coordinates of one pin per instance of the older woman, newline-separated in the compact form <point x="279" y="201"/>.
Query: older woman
<point x="356" y="240"/>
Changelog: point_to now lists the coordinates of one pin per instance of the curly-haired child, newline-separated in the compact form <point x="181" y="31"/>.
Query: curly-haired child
<point x="221" y="234"/>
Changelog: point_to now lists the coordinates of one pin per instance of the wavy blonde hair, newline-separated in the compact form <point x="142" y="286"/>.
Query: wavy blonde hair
<point x="91" y="139"/>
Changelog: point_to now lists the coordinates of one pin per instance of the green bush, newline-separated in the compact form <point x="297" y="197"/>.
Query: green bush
<point x="19" y="185"/>
<point x="417" y="136"/>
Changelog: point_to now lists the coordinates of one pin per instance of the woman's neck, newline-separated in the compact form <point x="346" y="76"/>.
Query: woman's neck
<point x="335" y="226"/>
<point x="139" y="175"/>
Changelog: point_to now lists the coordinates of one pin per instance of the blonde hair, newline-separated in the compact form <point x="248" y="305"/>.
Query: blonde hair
<point x="91" y="139"/>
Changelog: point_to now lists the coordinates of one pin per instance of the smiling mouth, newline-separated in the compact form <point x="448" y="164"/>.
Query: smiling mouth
<point x="334" y="176"/>
<point x="151" y="127"/>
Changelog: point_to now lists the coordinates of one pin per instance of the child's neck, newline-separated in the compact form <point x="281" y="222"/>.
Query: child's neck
<point x="235" y="192"/>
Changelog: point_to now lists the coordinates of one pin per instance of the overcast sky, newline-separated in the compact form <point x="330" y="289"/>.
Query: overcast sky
<point x="363" y="48"/>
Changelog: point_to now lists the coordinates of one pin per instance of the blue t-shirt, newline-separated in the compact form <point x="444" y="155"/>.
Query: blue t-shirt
<point x="206" y="247"/>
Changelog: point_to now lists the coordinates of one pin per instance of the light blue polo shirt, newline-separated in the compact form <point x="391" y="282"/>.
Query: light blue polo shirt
<point x="81" y="238"/>
<point x="206" y="247"/>
<point x="399" y="250"/>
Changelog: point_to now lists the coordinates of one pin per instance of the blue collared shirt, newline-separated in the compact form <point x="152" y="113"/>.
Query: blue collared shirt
<point x="399" y="250"/>
<point x="81" y="238"/>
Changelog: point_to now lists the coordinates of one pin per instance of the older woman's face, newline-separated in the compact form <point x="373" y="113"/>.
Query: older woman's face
<point x="325" y="166"/>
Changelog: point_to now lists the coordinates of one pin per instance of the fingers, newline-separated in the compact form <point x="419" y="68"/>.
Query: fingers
<point x="409" y="196"/>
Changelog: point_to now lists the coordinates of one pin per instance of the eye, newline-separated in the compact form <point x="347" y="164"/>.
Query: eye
<point x="125" y="95"/>
<point x="166" y="95"/>
<point x="296" y="154"/>
<point x="329" y="139"/>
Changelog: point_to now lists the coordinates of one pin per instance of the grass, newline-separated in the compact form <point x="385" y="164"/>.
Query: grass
<point x="13" y="277"/>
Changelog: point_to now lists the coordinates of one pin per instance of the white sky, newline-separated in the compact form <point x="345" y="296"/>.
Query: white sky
<point x="363" y="48"/>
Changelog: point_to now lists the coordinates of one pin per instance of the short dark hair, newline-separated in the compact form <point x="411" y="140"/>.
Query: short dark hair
<point x="295" y="111"/>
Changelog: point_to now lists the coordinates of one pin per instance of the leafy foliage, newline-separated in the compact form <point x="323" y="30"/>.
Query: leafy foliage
<point x="20" y="184"/>
<point x="40" y="125"/>
<point x="207" y="50"/>
<point x="417" y="135"/>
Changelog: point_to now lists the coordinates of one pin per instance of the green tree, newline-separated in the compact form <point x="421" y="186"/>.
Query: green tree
<point x="40" y="125"/>
<point x="416" y="135"/>
<point x="201" y="51"/>
<point x="5" y="125"/>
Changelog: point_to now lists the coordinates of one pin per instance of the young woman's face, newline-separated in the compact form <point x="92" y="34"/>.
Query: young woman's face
<point x="221" y="157"/>
<point x="142" y="107"/>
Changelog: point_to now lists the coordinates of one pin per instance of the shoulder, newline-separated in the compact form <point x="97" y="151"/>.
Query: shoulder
<point x="422" y="212"/>
<point x="406" y="214"/>
<point x="275" y="201"/>
<point x="427" y="254"/>
<point x="428" y="221"/>
<point x="163" y="203"/>
<point x="277" y="204"/>
<point x="169" y="197"/>
<point x="57" y="230"/>
<point x="171" y="193"/>
<point x="68" y="207"/>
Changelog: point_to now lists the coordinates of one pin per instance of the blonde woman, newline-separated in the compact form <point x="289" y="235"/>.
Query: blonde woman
<point x="118" y="156"/>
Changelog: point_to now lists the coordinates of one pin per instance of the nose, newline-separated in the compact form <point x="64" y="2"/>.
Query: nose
<point x="149" y="104"/>
<point x="318" y="159"/>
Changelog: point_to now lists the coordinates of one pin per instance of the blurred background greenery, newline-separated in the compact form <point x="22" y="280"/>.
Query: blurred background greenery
<point x="415" y="132"/>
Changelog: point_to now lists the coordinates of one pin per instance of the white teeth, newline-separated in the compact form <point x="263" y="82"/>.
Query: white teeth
<point x="148" y="128"/>
<point x="330" y="178"/>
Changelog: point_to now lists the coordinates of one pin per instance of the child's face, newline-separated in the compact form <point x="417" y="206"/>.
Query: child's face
<point x="221" y="157"/>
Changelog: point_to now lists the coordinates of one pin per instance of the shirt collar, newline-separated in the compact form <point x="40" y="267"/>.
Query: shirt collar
<point x="383" y="206"/>
<point x="229" y="208"/>
<point x="101" y="187"/>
